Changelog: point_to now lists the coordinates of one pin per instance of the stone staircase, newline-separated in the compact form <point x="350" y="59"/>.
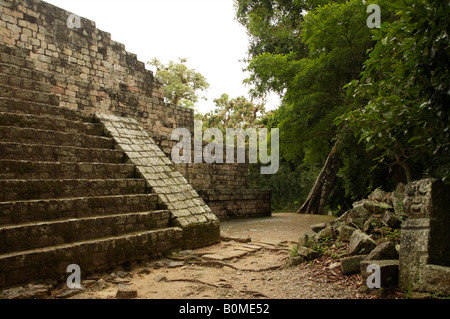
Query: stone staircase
<point x="67" y="194"/>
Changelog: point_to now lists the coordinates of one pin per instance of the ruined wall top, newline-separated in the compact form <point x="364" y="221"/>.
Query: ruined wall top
<point x="87" y="69"/>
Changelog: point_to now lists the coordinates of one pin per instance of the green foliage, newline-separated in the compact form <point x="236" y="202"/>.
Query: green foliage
<point x="294" y="250"/>
<point x="181" y="84"/>
<point x="289" y="185"/>
<point x="306" y="51"/>
<point x="233" y="113"/>
<point x="401" y="102"/>
<point x="384" y="92"/>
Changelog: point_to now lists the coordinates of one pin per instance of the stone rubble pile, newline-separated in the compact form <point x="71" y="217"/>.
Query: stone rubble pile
<point x="368" y="234"/>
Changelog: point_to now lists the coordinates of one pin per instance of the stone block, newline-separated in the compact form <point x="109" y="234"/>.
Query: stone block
<point x="389" y="271"/>
<point x="318" y="227"/>
<point x="351" y="265"/>
<point x="361" y="243"/>
<point x="391" y="220"/>
<point x="384" y="251"/>
<point x="307" y="253"/>
<point x="326" y="233"/>
<point x="345" y="232"/>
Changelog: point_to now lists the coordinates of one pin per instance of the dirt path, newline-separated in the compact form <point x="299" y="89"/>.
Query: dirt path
<point x="232" y="269"/>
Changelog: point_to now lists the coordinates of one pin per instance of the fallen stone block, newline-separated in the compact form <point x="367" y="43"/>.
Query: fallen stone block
<point x="388" y="271"/>
<point x="379" y="195"/>
<point x="318" y="227"/>
<point x="306" y="239"/>
<point x="361" y="243"/>
<point x="126" y="292"/>
<point x="345" y="232"/>
<point x="307" y="253"/>
<point x="351" y="265"/>
<point x="371" y="224"/>
<point x="391" y="220"/>
<point x="326" y="234"/>
<point x="384" y="251"/>
<point x="374" y="207"/>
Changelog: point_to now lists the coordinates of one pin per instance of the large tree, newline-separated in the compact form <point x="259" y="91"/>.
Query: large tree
<point x="181" y="84"/>
<point x="233" y="113"/>
<point x="306" y="51"/>
<point x="401" y="102"/>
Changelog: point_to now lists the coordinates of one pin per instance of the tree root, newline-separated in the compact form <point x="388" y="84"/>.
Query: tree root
<point x="202" y="262"/>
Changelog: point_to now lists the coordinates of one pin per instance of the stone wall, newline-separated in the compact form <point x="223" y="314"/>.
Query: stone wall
<point x="188" y="211"/>
<point x="425" y="239"/>
<point x="86" y="70"/>
<point x="229" y="204"/>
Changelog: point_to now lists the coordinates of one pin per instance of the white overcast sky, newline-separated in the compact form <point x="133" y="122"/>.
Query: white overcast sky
<point x="203" y="31"/>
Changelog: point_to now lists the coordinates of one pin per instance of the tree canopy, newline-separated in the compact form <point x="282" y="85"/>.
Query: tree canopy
<point x="181" y="84"/>
<point x="401" y="101"/>
<point x="233" y="113"/>
<point x="382" y="93"/>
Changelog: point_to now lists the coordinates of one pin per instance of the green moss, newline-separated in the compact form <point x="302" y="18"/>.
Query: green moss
<point x="24" y="168"/>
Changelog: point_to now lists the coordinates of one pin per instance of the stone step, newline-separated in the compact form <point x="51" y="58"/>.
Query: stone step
<point x="45" y="153"/>
<point x="11" y="169"/>
<point x="26" y="83"/>
<point x="18" y="106"/>
<point x="91" y="256"/>
<point x="12" y="190"/>
<point x="28" y="95"/>
<point x="19" y="212"/>
<point x="20" y="68"/>
<point x="44" y="234"/>
<point x="45" y="137"/>
<point x="15" y="51"/>
<point x="44" y="122"/>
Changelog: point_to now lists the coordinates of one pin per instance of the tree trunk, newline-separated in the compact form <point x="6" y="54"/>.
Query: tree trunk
<point x="324" y="184"/>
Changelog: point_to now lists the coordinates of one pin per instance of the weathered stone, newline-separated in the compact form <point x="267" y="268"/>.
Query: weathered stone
<point x="345" y="232"/>
<point x="379" y="195"/>
<point x="384" y="251"/>
<point x="374" y="207"/>
<point x="388" y="271"/>
<point x="351" y="265"/>
<point x="100" y="285"/>
<point x="338" y="222"/>
<point x="436" y="278"/>
<point x="371" y="224"/>
<point x="69" y="293"/>
<point x="391" y="220"/>
<point x="296" y="260"/>
<point x="397" y="203"/>
<point x="358" y="222"/>
<point x="357" y="216"/>
<point x="175" y="264"/>
<point x="49" y="75"/>
<point x="307" y="253"/>
<point x="122" y="274"/>
<point x="334" y="265"/>
<point x="126" y="292"/>
<point x="318" y="227"/>
<point x="361" y="243"/>
<point x="326" y="234"/>
<point x="306" y="239"/>
<point x="160" y="277"/>
<point x="30" y="291"/>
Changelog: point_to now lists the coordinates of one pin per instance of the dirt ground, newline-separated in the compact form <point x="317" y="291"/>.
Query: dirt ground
<point x="251" y="262"/>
